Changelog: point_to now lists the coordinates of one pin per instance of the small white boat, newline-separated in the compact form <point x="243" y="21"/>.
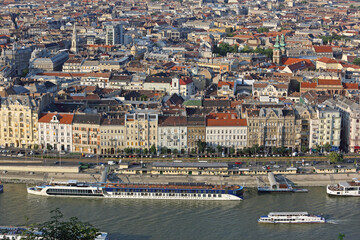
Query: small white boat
<point x="351" y="188"/>
<point x="291" y="217"/>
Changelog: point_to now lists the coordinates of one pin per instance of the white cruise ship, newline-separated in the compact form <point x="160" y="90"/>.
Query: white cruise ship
<point x="185" y="191"/>
<point x="351" y="188"/>
<point x="291" y="217"/>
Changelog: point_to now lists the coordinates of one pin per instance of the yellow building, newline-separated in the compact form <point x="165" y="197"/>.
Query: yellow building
<point x="141" y="130"/>
<point x="112" y="135"/>
<point x="19" y="119"/>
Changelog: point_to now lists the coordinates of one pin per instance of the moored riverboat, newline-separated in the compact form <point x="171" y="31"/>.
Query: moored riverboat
<point x="291" y="217"/>
<point x="350" y="188"/>
<point x="186" y="191"/>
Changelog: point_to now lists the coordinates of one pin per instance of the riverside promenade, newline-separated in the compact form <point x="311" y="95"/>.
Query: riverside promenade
<point x="315" y="179"/>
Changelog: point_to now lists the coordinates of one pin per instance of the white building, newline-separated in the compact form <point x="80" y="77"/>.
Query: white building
<point x="226" y="131"/>
<point x="350" y="122"/>
<point x="172" y="132"/>
<point x="183" y="86"/>
<point x="55" y="131"/>
<point x="114" y="33"/>
<point x="325" y="128"/>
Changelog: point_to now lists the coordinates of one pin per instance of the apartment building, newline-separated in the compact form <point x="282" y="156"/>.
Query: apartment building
<point x="172" y="132"/>
<point x="86" y="133"/>
<point x="350" y="123"/>
<point x="55" y="131"/>
<point x="19" y="121"/>
<point x="112" y="135"/>
<point x="196" y="131"/>
<point x="273" y="127"/>
<point x="141" y="130"/>
<point x="325" y="128"/>
<point x="226" y="130"/>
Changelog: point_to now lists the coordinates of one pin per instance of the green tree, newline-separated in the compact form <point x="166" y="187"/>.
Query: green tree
<point x="224" y="48"/>
<point x="341" y="236"/>
<point x="232" y="150"/>
<point x="262" y="29"/>
<point x="304" y="149"/>
<point x="327" y="147"/>
<point x="24" y="72"/>
<point x="153" y="149"/>
<point x="201" y="146"/>
<point x="146" y="151"/>
<point x="58" y="229"/>
<point x="335" y="157"/>
<point x="219" y="149"/>
<point x="356" y="61"/>
<point x="128" y="150"/>
<point x="163" y="150"/>
<point x="210" y="150"/>
<point x="175" y="151"/>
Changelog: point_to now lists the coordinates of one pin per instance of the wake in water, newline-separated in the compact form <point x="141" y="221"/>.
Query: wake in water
<point x="333" y="221"/>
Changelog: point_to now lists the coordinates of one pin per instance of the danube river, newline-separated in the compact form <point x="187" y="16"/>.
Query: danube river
<point x="173" y="219"/>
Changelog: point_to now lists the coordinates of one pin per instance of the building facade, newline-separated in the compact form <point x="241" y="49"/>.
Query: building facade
<point x="196" y="131"/>
<point x="55" y="131"/>
<point x="172" y="133"/>
<point x="114" y="33"/>
<point x="226" y="130"/>
<point x="273" y="127"/>
<point x="141" y="130"/>
<point x="19" y="121"/>
<point x="112" y="135"/>
<point x="86" y="133"/>
<point x="350" y="123"/>
<point x="325" y="128"/>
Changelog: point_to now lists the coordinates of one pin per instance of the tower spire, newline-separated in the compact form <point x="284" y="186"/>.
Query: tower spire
<point x="74" y="41"/>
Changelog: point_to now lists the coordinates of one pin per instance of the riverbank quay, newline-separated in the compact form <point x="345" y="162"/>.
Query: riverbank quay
<point x="167" y="158"/>
<point x="304" y="180"/>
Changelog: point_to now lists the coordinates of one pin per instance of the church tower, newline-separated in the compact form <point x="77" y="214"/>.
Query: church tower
<point x="74" y="41"/>
<point x="283" y="47"/>
<point x="277" y="51"/>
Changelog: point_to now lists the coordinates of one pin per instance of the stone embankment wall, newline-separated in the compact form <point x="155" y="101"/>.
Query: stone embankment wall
<point x="247" y="181"/>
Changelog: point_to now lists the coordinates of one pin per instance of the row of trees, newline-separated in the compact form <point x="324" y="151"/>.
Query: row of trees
<point x="224" y="48"/>
<point x="267" y="52"/>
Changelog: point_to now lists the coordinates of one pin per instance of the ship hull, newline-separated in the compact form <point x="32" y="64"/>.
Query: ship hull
<point x="140" y="195"/>
<point x="343" y="193"/>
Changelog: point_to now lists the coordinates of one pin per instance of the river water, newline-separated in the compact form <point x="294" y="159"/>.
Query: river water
<point x="180" y="219"/>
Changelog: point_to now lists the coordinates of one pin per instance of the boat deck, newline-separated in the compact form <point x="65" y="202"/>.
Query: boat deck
<point x="154" y="186"/>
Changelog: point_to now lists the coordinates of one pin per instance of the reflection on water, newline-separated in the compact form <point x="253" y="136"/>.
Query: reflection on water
<point x="181" y="219"/>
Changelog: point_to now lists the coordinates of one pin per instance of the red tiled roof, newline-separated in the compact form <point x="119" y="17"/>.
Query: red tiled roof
<point x="327" y="60"/>
<point x="63" y="118"/>
<point x="232" y="115"/>
<point x="323" y="49"/>
<point x="351" y="85"/>
<point x="308" y="85"/>
<point x="226" y="122"/>
<point x="329" y="82"/>
<point x="185" y="81"/>
<point x="221" y="83"/>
